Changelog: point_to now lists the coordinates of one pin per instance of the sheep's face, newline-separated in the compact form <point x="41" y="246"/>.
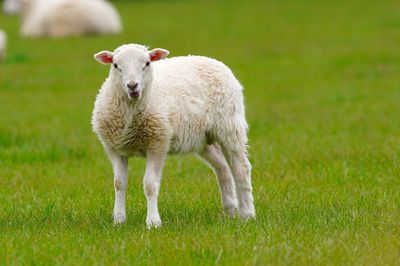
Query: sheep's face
<point x="131" y="64"/>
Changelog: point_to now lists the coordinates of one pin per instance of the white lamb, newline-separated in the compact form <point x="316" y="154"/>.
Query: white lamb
<point x="3" y="45"/>
<point x="61" y="18"/>
<point x="184" y="104"/>
<point x="12" y="7"/>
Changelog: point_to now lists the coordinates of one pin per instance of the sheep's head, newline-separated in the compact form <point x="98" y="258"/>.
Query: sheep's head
<point x="131" y="63"/>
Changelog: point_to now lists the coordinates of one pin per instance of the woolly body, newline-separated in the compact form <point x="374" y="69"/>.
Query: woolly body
<point x="12" y="7"/>
<point x="3" y="45"/>
<point x="61" y="18"/>
<point x="179" y="105"/>
<point x="190" y="102"/>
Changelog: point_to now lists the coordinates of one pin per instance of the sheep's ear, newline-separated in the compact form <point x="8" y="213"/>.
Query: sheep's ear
<point x="104" y="57"/>
<point x="158" y="54"/>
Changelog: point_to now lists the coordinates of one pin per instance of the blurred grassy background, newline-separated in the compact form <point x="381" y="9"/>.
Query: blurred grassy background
<point x="322" y="95"/>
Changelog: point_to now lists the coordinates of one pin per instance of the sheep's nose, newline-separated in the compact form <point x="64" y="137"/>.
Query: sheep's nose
<point x="132" y="85"/>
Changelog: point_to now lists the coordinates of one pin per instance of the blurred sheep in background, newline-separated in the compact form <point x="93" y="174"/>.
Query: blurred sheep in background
<point x="61" y="18"/>
<point x="12" y="7"/>
<point x="3" y="45"/>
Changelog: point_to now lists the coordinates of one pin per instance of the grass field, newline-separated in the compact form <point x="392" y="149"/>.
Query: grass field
<point x="322" y="93"/>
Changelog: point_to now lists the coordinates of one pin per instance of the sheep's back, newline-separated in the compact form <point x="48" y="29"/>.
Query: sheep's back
<point x="201" y="94"/>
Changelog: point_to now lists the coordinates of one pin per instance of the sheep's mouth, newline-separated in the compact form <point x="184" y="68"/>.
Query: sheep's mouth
<point x="134" y="94"/>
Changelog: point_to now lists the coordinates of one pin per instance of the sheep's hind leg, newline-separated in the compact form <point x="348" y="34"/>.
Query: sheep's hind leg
<point x="214" y="156"/>
<point x="241" y="170"/>
<point x="234" y="148"/>
<point x="151" y="184"/>
<point x="120" y="168"/>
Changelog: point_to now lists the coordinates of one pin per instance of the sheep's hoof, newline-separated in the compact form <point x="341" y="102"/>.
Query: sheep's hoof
<point x="230" y="210"/>
<point x="119" y="218"/>
<point x="153" y="222"/>
<point x="247" y="214"/>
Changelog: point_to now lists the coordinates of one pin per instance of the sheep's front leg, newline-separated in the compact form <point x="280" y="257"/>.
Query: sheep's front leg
<point x="120" y="167"/>
<point x="151" y="184"/>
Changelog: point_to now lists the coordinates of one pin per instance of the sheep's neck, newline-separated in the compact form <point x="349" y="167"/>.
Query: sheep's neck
<point x="131" y="115"/>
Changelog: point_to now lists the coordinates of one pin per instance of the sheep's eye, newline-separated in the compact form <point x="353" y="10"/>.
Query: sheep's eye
<point x="147" y="64"/>
<point x="115" y="66"/>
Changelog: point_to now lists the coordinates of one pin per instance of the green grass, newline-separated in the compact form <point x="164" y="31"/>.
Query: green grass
<point x="322" y="93"/>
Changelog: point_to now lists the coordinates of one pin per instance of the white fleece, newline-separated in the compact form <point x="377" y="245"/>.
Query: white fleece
<point x="187" y="104"/>
<point x="61" y="18"/>
<point x="3" y="45"/>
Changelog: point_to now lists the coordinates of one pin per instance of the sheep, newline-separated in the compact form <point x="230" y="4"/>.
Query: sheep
<point x="3" y="45"/>
<point x="12" y="7"/>
<point x="189" y="104"/>
<point x="61" y="18"/>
